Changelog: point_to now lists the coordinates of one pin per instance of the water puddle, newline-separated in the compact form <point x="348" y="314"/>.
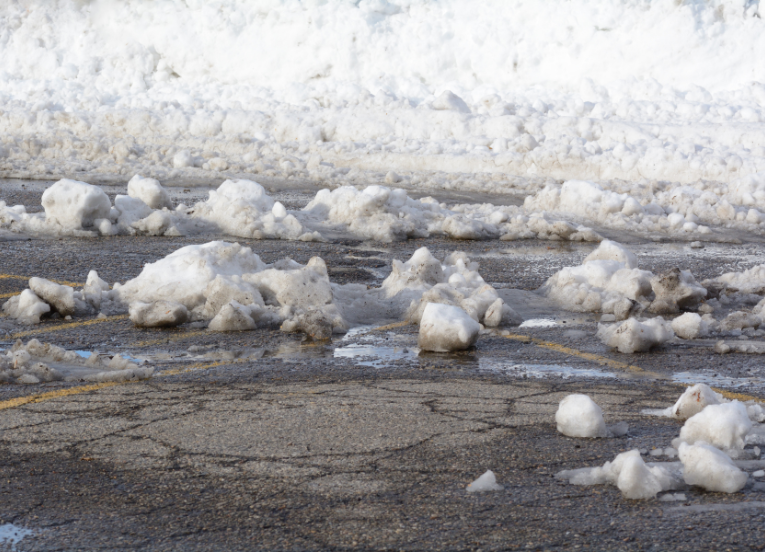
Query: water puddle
<point x="12" y="534"/>
<point x="539" y="323"/>
<point x="375" y="351"/>
<point x="716" y="380"/>
<point x="542" y="371"/>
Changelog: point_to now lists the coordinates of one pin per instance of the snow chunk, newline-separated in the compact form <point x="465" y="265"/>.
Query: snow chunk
<point x="150" y="191"/>
<point x="600" y="284"/>
<point x="242" y="208"/>
<point x="61" y="298"/>
<point x="445" y="328"/>
<point x="693" y="400"/>
<point x="676" y="290"/>
<point x="633" y="336"/>
<point x="722" y="425"/>
<point x="232" y="317"/>
<point x="690" y="326"/>
<point x="27" y="307"/>
<point x="158" y="314"/>
<point x="183" y="276"/>
<point x="487" y="482"/>
<point x="634" y="478"/>
<point x="709" y="468"/>
<point x="612" y="251"/>
<point x="74" y="205"/>
<point x="579" y="416"/>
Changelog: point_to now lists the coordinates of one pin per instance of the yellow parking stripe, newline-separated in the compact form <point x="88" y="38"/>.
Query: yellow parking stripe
<point x="169" y="339"/>
<point x="21" y="401"/>
<point x="17" y="277"/>
<point x="69" y="326"/>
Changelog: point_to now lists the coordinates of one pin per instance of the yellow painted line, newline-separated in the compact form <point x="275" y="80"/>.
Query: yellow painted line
<point x="605" y="361"/>
<point x="11" y="294"/>
<point x="599" y="359"/>
<point x="21" y="401"/>
<point x="170" y="338"/>
<point x="389" y="327"/>
<point x="60" y="327"/>
<point x="17" y="277"/>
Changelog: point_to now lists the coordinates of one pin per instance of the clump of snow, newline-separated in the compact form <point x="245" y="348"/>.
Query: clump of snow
<point x="59" y="297"/>
<point x="38" y="362"/>
<point x="690" y="326"/>
<point x="709" y="468"/>
<point x="487" y="482"/>
<point x="445" y="328"/>
<point x="72" y="205"/>
<point x="634" y="478"/>
<point x="150" y="191"/>
<point x="607" y="282"/>
<point x="243" y="208"/>
<point x="721" y="425"/>
<point x="26" y="307"/>
<point x="675" y="290"/>
<point x="632" y="336"/>
<point x="693" y="400"/>
<point x="158" y="314"/>
<point x="579" y="416"/>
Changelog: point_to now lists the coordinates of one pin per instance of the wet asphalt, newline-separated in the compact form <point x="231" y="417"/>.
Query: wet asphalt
<point x="269" y="441"/>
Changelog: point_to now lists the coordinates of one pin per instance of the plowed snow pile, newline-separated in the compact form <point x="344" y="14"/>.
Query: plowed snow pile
<point x="623" y="102"/>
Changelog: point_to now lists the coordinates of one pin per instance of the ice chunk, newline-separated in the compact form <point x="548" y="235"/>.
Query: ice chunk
<point x="150" y="191"/>
<point x="242" y="208"/>
<point x="94" y="289"/>
<point x="225" y="289"/>
<point x="634" y="478"/>
<point x="27" y="307"/>
<point x="740" y="320"/>
<point x="722" y="425"/>
<point x="158" y="314"/>
<point x="693" y="400"/>
<point x="633" y="336"/>
<point x="445" y="328"/>
<point x="601" y="283"/>
<point x="709" y="468"/>
<point x="61" y="298"/>
<point x="675" y="290"/>
<point x="579" y="416"/>
<point x="232" y="317"/>
<point x="487" y="482"/>
<point x="612" y="251"/>
<point x="690" y="326"/>
<point x="74" y="205"/>
<point x="183" y="276"/>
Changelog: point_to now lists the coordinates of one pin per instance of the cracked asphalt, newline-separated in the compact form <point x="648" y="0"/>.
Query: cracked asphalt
<point x="265" y="441"/>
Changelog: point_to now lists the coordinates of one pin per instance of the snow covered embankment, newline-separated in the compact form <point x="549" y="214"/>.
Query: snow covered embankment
<point x="440" y="92"/>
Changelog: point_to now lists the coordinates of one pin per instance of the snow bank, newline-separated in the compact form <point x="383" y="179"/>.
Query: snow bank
<point x="708" y="468"/>
<point x="634" y="478"/>
<point x="38" y="362"/>
<point x="721" y="425"/>
<point x="444" y="329"/>
<point x="487" y="482"/>
<point x="615" y="91"/>
<point x="632" y="336"/>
